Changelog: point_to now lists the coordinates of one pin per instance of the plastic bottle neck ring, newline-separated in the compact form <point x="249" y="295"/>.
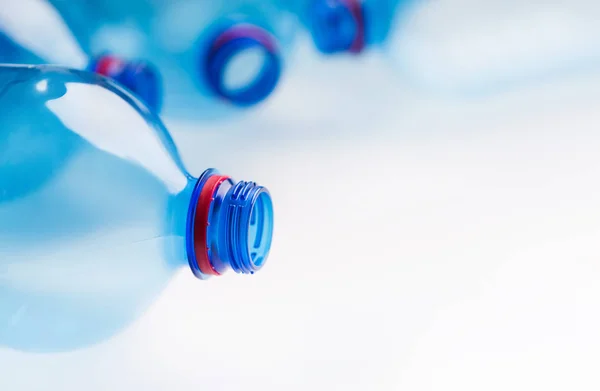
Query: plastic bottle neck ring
<point x="229" y="226"/>
<point x="229" y="43"/>
<point x="202" y="222"/>
<point x="138" y="76"/>
<point x="356" y="9"/>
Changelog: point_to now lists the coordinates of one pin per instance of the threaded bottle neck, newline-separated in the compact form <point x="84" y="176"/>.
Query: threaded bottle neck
<point x="230" y="226"/>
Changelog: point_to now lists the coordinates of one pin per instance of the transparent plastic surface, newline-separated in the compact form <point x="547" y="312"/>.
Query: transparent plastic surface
<point x="478" y="47"/>
<point x="214" y="56"/>
<point x="97" y="210"/>
<point x="92" y="188"/>
<point x="34" y="32"/>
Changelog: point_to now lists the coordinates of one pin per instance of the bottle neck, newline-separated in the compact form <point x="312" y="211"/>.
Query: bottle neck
<point x="230" y="226"/>
<point x="139" y="77"/>
<point x="232" y="42"/>
<point x="338" y="25"/>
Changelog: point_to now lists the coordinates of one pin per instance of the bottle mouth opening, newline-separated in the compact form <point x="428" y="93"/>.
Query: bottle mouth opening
<point x="338" y="25"/>
<point x="140" y="77"/>
<point x="230" y="226"/>
<point x="243" y="64"/>
<point x="260" y="229"/>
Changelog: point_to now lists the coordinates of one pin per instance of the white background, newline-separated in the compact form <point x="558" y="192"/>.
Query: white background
<point x="421" y="243"/>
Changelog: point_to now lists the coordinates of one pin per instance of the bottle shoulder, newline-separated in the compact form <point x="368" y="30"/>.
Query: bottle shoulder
<point x="80" y="111"/>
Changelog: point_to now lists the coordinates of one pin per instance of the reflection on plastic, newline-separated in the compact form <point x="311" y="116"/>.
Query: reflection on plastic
<point x="97" y="211"/>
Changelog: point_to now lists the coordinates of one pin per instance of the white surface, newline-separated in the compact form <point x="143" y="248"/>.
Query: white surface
<point x="420" y="245"/>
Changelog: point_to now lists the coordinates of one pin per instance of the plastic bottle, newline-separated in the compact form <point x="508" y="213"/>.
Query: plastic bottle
<point x="473" y="48"/>
<point x="345" y="26"/>
<point x="215" y="57"/>
<point x="97" y="211"/>
<point x="33" y="32"/>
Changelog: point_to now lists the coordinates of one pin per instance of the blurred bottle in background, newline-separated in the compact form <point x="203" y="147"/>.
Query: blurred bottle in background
<point x="469" y="48"/>
<point x="32" y="32"/>
<point x="215" y="57"/>
<point x="97" y="211"/>
<point x="345" y="26"/>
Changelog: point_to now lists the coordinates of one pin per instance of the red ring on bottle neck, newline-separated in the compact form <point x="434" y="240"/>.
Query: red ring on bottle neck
<point x="201" y="223"/>
<point x="355" y="7"/>
<point x="108" y="65"/>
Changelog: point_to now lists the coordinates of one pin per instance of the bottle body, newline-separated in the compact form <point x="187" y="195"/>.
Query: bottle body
<point x="215" y="57"/>
<point x="93" y="227"/>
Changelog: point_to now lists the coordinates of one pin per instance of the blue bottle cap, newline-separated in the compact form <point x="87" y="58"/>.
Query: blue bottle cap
<point x="138" y="76"/>
<point x="338" y="25"/>
<point x="229" y="43"/>
<point x="230" y="226"/>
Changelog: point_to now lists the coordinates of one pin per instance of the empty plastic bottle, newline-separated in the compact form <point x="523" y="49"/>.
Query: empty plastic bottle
<point x="470" y="47"/>
<point x="215" y="57"/>
<point x="340" y="26"/>
<point x="33" y="32"/>
<point x="97" y="211"/>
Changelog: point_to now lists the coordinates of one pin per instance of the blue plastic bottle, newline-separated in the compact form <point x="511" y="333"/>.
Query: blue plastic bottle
<point x="33" y="32"/>
<point x="345" y="26"/>
<point x="97" y="211"/>
<point x="215" y="57"/>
